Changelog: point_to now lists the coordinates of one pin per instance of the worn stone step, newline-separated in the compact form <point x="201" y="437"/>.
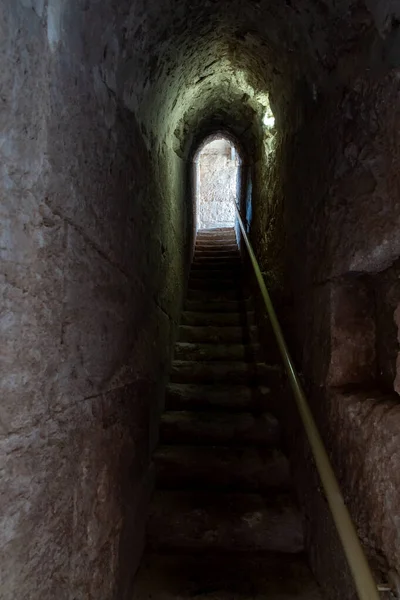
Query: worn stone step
<point x="203" y="468"/>
<point x="212" y="295"/>
<point x="188" y="396"/>
<point x="230" y="229"/>
<point x="220" y="234"/>
<point x="215" y="248"/>
<point x="206" y="262"/>
<point x="216" y="244"/>
<point x="187" y="371"/>
<point x="231" y="236"/>
<point x="213" y="334"/>
<point x="219" y="243"/>
<point x="215" y="231"/>
<point x="220" y="319"/>
<point x="230" y="267"/>
<point x="192" y="351"/>
<point x="207" y="273"/>
<point x="231" y="260"/>
<point x="216" y="254"/>
<point x="218" y="305"/>
<point x="217" y="238"/>
<point x="200" y="283"/>
<point x="229" y="522"/>
<point x="194" y="427"/>
<point x="216" y="576"/>
<point x="210" y="334"/>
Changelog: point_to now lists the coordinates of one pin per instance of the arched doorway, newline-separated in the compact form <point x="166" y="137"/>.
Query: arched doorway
<point x="217" y="164"/>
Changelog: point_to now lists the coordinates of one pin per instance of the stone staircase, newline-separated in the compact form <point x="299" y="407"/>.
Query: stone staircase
<point x="223" y="524"/>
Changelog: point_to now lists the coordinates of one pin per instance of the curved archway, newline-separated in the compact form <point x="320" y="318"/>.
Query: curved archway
<point x="217" y="162"/>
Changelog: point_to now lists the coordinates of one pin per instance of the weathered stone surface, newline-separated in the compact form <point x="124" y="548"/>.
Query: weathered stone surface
<point x="211" y="334"/>
<point x="213" y="319"/>
<point x="352" y="335"/>
<point x="277" y="576"/>
<point x="221" y="469"/>
<point x="188" y="351"/>
<point x="397" y="379"/>
<point x="183" y="371"/>
<point x="367" y="457"/>
<point x="225" y="522"/>
<point x="214" y="306"/>
<point x="185" y="427"/>
<point x="81" y="321"/>
<point x="340" y="334"/>
<point x="186" y="396"/>
<point x="332" y="189"/>
<point x="65" y="496"/>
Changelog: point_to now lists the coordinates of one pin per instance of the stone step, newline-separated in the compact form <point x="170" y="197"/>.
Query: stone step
<point x="216" y="245"/>
<point x="230" y="261"/>
<point x="211" y="230"/>
<point x="230" y="522"/>
<point x="229" y="235"/>
<point x="200" y="283"/>
<point x="188" y="396"/>
<point x="212" y="334"/>
<point x="191" y="351"/>
<point x="216" y="239"/>
<point x="220" y="247"/>
<point x="217" y="254"/>
<point x="221" y="468"/>
<point x="230" y="267"/>
<point x="220" y="319"/>
<point x="216" y="428"/>
<point x="187" y="371"/>
<point x="215" y="576"/>
<point x="220" y="234"/>
<point x="207" y="273"/>
<point x="215" y="295"/>
<point x="214" y="232"/>
<point x="218" y="305"/>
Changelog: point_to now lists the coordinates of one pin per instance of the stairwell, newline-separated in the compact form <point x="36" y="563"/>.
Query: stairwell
<point x="223" y="524"/>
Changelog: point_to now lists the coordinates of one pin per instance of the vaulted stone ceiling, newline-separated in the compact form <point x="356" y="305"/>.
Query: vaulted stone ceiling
<point x="172" y="60"/>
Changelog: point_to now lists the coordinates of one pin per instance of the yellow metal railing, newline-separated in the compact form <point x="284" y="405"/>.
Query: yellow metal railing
<point x="363" y="578"/>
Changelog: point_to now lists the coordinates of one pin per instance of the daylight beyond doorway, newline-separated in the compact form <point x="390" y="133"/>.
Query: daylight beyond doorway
<point x="216" y="184"/>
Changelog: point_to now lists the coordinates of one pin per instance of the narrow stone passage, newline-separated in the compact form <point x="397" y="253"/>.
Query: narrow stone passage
<point x="223" y="523"/>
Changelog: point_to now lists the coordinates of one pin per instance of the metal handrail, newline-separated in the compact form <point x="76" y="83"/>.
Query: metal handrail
<point x="357" y="561"/>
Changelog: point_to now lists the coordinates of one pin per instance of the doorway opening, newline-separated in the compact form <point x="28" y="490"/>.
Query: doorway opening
<point x="217" y="183"/>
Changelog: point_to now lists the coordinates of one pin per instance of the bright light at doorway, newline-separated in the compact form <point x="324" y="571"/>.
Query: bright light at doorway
<point x="269" y="120"/>
<point x="216" y="184"/>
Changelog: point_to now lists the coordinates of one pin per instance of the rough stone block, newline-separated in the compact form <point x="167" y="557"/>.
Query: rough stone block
<point x="352" y="332"/>
<point x="396" y="382"/>
<point x="365" y="438"/>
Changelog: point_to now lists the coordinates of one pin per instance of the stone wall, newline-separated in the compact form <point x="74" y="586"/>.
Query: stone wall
<point x="93" y="272"/>
<point x="337" y="170"/>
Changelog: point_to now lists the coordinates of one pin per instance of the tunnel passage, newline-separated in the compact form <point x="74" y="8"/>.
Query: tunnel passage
<point x="217" y="183"/>
<point x="102" y="107"/>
